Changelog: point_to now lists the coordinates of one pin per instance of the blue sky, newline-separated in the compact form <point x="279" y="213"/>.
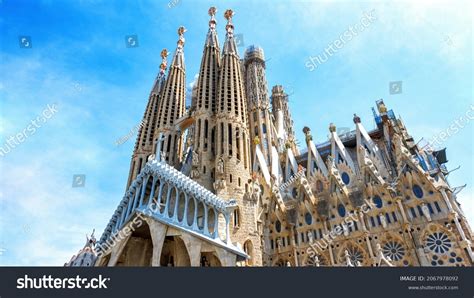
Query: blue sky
<point x="79" y="60"/>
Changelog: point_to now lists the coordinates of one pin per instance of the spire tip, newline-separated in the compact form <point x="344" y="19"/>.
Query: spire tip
<point x="212" y="11"/>
<point x="181" y="31"/>
<point x="228" y="14"/>
<point x="212" y="22"/>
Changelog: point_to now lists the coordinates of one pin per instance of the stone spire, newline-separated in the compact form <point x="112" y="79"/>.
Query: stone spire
<point x="283" y="119"/>
<point x="211" y="39"/>
<point x="231" y="117"/>
<point x="178" y="58"/>
<point x="204" y="149"/>
<point x="257" y="100"/>
<point x="161" y="77"/>
<point x="233" y="145"/>
<point x="230" y="47"/>
<point x="144" y="145"/>
<point x="172" y="106"/>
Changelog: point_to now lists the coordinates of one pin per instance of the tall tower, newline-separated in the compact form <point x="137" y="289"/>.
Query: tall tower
<point x="204" y="138"/>
<point x="257" y="99"/>
<point x="173" y="106"/>
<point x="144" y="145"/>
<point x="283" y="120"/>
<point x="233" y="148"/>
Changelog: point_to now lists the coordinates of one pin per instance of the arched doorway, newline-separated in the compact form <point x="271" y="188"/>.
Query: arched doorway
<point x="174" y="253"/>
<point x="209" y="259"/>
<point x="139" y="248"/>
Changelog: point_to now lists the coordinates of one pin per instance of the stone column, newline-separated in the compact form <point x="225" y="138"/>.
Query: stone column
<point x="206" y="224"/>
<point x="226" y="258"/>
<point x="369" y="247"/>
<point x="331" y="254"/>
<point x="193" y="246"/>
<point x="167" y="202"/>
<point x="402" y="211"/>
<point x="362" y="221"/>
<point x="143" y="190"/>
<point x="446" y="199"/>
<point x="158" y="234"/>
<point x="152" y="193"/>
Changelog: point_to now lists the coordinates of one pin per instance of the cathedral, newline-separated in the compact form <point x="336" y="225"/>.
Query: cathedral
<point x="222" y="182"/>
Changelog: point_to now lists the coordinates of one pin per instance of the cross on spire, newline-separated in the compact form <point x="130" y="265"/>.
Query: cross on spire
<point x="228" y="14"/>
<point x="181" y="40"/>
<point x="212" y="22"/>
<point x="163" y="54"/>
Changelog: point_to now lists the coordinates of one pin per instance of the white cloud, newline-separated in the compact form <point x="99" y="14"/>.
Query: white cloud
<point x="43" y="218"/>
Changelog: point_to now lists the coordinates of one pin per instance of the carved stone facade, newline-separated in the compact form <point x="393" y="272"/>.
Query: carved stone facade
<point x="240" y="192"/>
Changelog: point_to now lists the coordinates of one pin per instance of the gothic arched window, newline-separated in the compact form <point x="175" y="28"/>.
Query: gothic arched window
<point x="236" y="218"/>
<point x="308" y="218"/>
<point x="377" y="201"/>
<point x="417" y="191"/>
<point x="278" y="226"/>
<point x="345" y="178"/>
<point x="341" y="210"/>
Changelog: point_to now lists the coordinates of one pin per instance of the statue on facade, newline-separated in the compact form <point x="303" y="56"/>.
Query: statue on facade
<point x="426" y="211"/>
<point x="279" y="243"/>
<point x="380" y="257"/>
<point x="348" y="259"/>
<point x="256" y="140"/>
<point x="316" y="261"/>
<point x="91" y="241"/>
<point x="256" y="191"/>
<point x="383" y="220"/>
<point x="220" y="166"/>
<point x="345" y="229"/>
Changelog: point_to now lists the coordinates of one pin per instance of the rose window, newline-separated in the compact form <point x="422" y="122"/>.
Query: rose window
<point x="438" y="242"/>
